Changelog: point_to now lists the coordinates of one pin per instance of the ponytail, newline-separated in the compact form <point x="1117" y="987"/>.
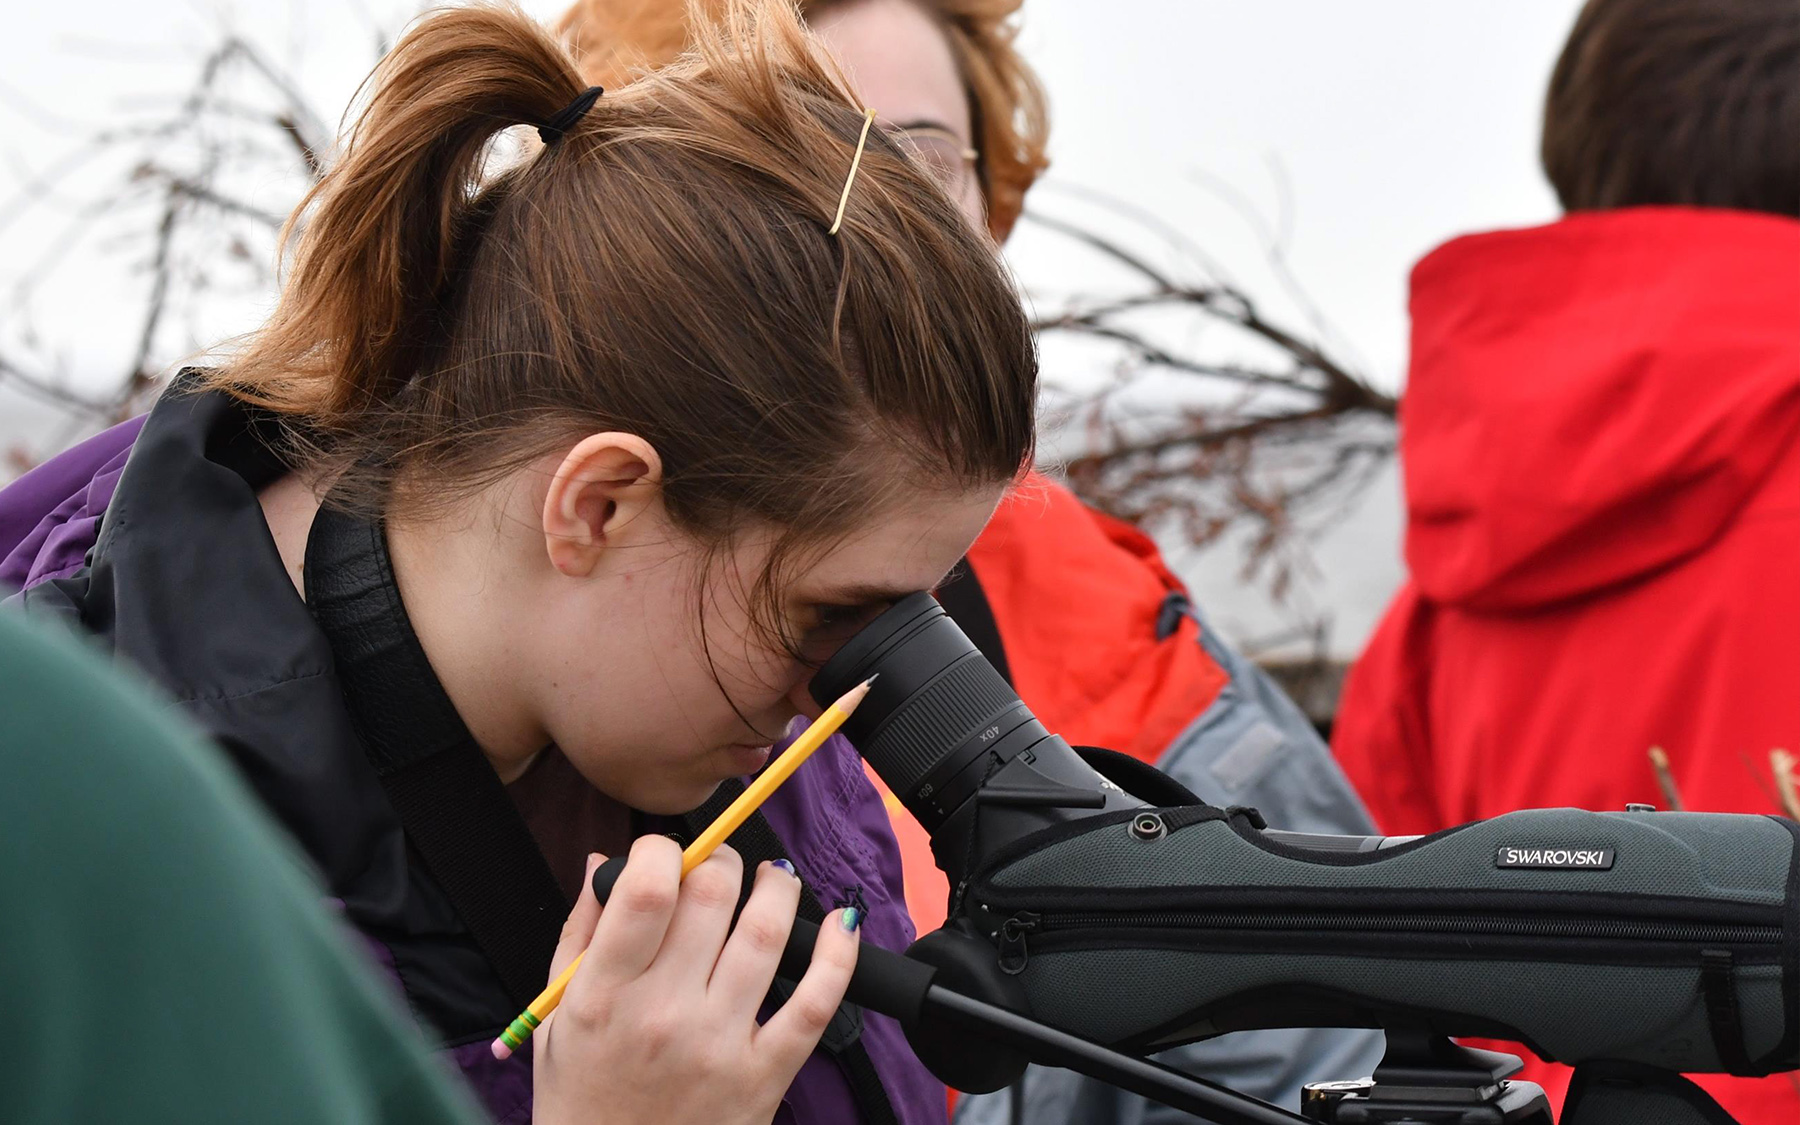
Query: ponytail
<point x="379" y="240"/>
<point x="662" y="268"/>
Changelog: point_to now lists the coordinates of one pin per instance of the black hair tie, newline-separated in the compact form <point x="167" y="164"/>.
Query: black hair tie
<point x="565" y="118"/>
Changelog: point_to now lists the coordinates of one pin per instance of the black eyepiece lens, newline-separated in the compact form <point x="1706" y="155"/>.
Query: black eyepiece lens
<point x="937" y="694"/>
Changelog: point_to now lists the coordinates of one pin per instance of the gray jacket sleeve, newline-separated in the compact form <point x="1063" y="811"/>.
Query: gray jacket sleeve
<point x="1251" y="746"/>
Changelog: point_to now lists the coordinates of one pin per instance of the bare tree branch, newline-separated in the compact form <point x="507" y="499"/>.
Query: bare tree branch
<point x="48" y="390"/>
<point x="1200" y="440"/>
<point x="1276" y="449"/>
<point x="185" y="171"/>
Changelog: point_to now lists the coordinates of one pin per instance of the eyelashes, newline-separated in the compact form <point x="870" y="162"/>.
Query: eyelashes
<point x="829" y="626"/>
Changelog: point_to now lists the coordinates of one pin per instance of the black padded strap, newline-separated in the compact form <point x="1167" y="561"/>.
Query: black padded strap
<point x="1719" y="992"/>
<point x="756" y="841"/>
<point x="454" y="809"/>
<point x="865" y="1085"/>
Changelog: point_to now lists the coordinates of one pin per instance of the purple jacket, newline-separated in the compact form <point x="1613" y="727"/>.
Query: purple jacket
<point x="828" y="815"/>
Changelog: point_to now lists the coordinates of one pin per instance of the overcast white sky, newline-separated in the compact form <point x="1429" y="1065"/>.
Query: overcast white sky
<point x="1365" y="132"/>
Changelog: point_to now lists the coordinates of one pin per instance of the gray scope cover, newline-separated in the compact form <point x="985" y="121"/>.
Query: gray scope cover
<point x="1126" y="944"/>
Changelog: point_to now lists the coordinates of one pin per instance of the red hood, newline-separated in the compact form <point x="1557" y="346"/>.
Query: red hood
<point x="1595" y="399"/>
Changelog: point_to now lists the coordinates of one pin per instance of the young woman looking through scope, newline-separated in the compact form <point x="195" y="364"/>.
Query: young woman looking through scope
<point x="1073" y="607"/>
<point x="629" y="443"/>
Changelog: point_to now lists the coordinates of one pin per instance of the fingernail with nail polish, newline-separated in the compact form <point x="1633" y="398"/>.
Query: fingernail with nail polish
<point x="784" y="865"/>
<point x="851" y="919"/>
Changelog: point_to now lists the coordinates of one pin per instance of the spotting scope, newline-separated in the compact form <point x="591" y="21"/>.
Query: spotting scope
<point x="1112" y="904"/>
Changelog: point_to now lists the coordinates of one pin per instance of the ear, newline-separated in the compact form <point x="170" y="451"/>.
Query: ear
<point x="604" y="484"/>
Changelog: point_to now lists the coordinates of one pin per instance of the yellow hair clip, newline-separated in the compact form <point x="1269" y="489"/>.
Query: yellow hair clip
<point x="855" y="163"/>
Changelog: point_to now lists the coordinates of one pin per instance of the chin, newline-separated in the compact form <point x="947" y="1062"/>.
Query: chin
<point x="658" y="794"/>
<point x="677" y="801"/>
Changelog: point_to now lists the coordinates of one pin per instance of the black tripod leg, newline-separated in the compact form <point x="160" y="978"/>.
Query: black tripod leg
<point x="1152" y="1080"/>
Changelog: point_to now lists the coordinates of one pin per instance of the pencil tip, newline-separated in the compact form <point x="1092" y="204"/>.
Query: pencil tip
<point x="852" y="699"/>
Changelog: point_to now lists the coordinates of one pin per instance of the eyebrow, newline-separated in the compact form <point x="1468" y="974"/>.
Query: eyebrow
<point x="862" y="595"/>
<point x="922" y="123"/>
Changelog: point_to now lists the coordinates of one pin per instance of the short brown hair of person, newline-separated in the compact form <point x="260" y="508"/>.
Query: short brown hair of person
<point x="1677" y="102"/>
<point x="616" y="39"/>
<point x="663" y="268"/>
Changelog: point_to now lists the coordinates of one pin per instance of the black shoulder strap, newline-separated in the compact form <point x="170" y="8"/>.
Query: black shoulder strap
<point x="755" y="841"/>
<point x="967" y="604"/>
<point x="457" y="816"/>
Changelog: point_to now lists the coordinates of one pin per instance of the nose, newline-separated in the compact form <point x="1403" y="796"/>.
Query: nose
<point x="800" y="698"/>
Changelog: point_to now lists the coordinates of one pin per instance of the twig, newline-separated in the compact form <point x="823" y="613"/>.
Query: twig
<point x="1110" y="249"/>
<point x="1665" y="778"/>
<point x="1782" y="763"/>
<point x="203" y="193"/>
<point x="1276" y="446"/>
<point x="48" y="391"/>
<point x="221" y="131"/>
<point x="141" y="375"/>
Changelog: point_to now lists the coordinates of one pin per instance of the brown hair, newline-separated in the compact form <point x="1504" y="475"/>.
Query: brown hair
<point x="616" y="39"/>
<point x="1687" y="102"/>
<point x="662" y="269"/>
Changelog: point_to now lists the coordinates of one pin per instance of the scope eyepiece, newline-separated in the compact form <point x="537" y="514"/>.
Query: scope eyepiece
<point x="938" y="712"/>
<point x="949" y="735"/>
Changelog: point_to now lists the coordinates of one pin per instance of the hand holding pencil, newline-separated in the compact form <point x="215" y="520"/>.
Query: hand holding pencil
<point x="671" y="994"/>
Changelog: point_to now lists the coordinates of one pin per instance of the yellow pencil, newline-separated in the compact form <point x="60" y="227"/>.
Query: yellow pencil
<point x="716" y="833"/>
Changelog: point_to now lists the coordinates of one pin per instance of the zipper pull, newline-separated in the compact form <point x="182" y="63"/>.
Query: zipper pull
<point x="1013" y="953"/>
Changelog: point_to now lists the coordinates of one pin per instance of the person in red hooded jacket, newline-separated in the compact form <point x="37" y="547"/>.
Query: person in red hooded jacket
<point x="1601" y="442"/>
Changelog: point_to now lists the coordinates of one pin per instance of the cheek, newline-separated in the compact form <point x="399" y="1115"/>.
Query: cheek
<point x="974" y="207"/>
<point x="708" y="684"/>
<point x="758" y="674"/>
<point x="736" y="651"/>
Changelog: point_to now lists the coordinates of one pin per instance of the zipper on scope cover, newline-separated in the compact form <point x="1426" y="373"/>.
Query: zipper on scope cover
<point x="1014" y="950"/>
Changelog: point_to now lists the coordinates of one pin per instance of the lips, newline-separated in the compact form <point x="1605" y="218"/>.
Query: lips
<point x="749" y="757"/>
